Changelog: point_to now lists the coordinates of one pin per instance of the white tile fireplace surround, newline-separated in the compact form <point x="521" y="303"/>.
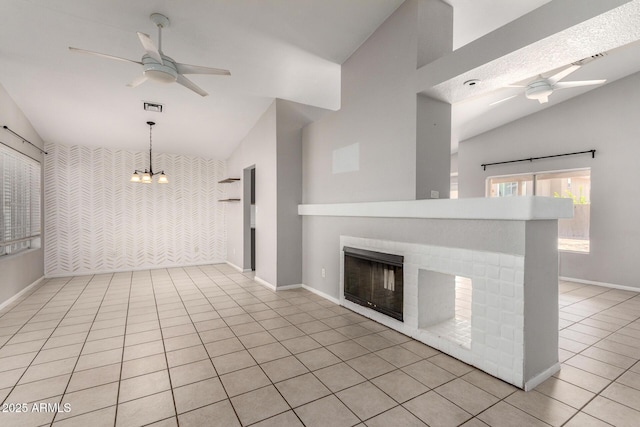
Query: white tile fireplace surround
<point x="512" y="333"/>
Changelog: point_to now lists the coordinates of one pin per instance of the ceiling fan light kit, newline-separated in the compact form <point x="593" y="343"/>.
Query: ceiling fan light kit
<point x="159" y="67"/>
<point x="541" y="88"/>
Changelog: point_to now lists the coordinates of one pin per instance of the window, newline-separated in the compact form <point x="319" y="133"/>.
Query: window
<point x="19" y="202"/>
<point x="573" y="234"/>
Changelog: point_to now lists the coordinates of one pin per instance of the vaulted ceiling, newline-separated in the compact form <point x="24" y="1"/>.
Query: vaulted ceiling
<point x="290" y="49"/>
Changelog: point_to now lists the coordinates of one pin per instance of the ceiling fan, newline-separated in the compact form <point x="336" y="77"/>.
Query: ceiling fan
<point x="542" y="87"/>
<point x="159" y="67"/>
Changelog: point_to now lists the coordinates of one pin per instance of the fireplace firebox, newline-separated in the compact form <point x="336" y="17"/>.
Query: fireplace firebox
<point x="374" y="280"/>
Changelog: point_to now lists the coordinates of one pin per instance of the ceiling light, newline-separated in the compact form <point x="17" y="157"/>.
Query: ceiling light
<point x="146" y="176"/>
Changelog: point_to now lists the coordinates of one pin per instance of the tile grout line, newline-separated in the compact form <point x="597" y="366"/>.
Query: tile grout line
<point x="124" y="344"/>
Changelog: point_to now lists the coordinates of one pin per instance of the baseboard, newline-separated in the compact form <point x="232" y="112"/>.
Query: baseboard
<point x="322" y="294"/>
<point x="126" y="270"/>
<point x="265" y="283"/>
<point x="287" y="287"/>
<point x="240" y="269"/>
<point x="603" y="284"/>
<point x="19" y="294"/>
<point x="541" y="377"/>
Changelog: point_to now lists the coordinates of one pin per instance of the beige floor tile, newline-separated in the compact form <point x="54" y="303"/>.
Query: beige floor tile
<point x="583" y="420"/>
<point x="420" y="349"/>
<point x="77" y="338"/>
<point x="318" y="358"/>
<point x="328" y="337"/>
<point x="274" y="323"/>
<point x="398" y="356"/>
<point x="474" y="422"/>
<point x="451" y="364"/>
<point x="39" y="390"/>
<point x="504" y="415"/>
<point x="542" y="407"/>
<point x="583" y="379"/>
<point x="232" y="362"/>
<point x="595" y="366"/>
<point x="282" y="369"/>
<point x="286" y="419"/>
<point x="565" y="392"/>
<point x="88" y="400"/>
<point x="103" y="344"/>
<point x="192" y="372"/>
<point x="95" y="360"/>
<point x="259" y="404"/>
<point x="101" y="418"/>
<point x="266" y="353"/>
<point x="244" y="380"/>
<point x="222" y="347"/>
<point x="145" y="410"/>
<point x="370" y="365"/>
<point x="328" y="411"/>
<point x="220" y="414"/>
<point x="611" y="358"/>
<point x="212" y="335"/>
<point x="101" y="334"/>
<point x="374" y="342"/>
<point x="622" y="394"/>
<point x="467" y="396"/>
<point x="143" y="365"/>
<point x="302" y="389"/>
<point x="428" y="374"/>
<point x="48" y="370"/>
<point x="143" y="350"/>
<point x="346" y="350"/>
<point x="400" y="386"/>
<point x="434" y="409"/>
<point x="22" y="348"/>
<point x="612" y="412"/>
<point x="10" y="378"/>
<point x="366" y="400"/>
<point x="186" y="355"/>
<point x="143" y="385"/>
<point x="338" y="377"/>
<point x="631" y="379"/>
<point x="354" y="331"/>
<point x="18" y="361"/>
<point x="256" y="339"/>
<point x="31" y="417"/>
<point x="198" y="394"/>
<point x="397" y="417"/>
<point x="286" y="333"/>
<point x="142" y="337"/>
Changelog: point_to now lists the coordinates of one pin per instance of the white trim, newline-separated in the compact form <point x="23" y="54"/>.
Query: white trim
<point x="240" y="269"/>
<point x="522" y="208"/>
<point x="19" y="294"/>
<point x="541" y="377"/>
<point x="287" y="287"/>
<point x="265" y="283"/>
<point x="126" y="270"/>
<point x="603" y="284"/>
<point x="322" y="294"/>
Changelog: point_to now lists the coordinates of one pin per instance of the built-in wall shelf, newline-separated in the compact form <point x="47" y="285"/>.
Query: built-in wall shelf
<point x="228" y="180"/>
<point x="229" y="200"/>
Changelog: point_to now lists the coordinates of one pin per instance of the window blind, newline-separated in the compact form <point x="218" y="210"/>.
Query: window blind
<point x="20" y="178"/>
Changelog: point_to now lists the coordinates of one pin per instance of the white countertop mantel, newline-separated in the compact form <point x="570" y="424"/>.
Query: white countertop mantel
<point x="521" y="208"/>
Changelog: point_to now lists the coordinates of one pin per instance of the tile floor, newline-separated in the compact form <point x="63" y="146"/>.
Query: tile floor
<point x="209" y="346"/>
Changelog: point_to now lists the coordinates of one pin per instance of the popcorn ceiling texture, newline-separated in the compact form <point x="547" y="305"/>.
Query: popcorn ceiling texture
<point x="98" y="221"/>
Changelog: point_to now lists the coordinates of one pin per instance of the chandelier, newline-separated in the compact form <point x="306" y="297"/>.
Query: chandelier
<point x="146" y="176"/>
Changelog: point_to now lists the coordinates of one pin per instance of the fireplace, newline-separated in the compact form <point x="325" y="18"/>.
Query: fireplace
<point x="374" y="280"/>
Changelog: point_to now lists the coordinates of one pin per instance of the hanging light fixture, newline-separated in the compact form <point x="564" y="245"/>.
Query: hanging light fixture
<point x="146" y="176"/>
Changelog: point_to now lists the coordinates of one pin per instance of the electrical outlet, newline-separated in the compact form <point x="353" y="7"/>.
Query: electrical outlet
<point x="324" y="273"/>
<point x="435" y="194"/>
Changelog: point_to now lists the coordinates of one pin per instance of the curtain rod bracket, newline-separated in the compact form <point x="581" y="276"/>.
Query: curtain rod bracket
<point x="25" y="140"/>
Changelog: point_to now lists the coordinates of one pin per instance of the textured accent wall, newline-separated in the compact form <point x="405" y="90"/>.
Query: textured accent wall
<point x="98" y="221"/>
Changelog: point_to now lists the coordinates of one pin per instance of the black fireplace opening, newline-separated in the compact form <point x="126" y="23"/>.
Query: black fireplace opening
<point x="374" y="280"/>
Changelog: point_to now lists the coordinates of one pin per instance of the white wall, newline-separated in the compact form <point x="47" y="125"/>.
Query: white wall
<point x="605" y="119"/>
<point x="20" y="270"/>
<point x="98" y="221"/>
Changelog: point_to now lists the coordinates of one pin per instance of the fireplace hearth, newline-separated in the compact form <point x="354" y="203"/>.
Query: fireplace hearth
<point x="374" y="280"/>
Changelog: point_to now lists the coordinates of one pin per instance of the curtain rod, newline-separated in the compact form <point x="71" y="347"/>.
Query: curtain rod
<point x="531" y="159"/>
<point x="25" y="140"/>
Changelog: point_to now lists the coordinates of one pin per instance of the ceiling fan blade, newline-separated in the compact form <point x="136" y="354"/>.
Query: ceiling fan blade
<point x="150" y="47"/>
<point x="138" y="81"/>
<point x="190" y="85"/>
<point x="564" y="85"/>
<point x="562" y="74"/>
<point x="514" y="86"/>
<point x="196" y="69"/>
<point x="503" y="100"/>
<point x="104" y="55"/>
